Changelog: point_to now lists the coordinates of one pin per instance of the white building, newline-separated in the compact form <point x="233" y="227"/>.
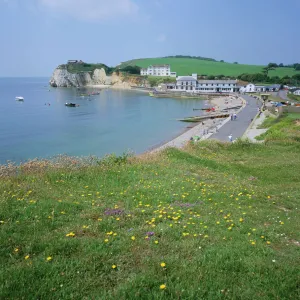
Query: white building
<point x="249" y="88"/>
<point x="158" y="70"/>
<point x="191" y="84"/>
<point x="252" y="88"/>
<point x="217" y="86"/>
<point x="297" y="92"/>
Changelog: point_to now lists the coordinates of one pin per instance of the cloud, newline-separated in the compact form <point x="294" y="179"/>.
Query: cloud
<point x="91" y="10"/>
<point x="161" y="38"/>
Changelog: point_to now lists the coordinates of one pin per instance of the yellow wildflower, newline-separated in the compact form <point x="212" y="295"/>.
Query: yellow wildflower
<point x="114" y="266"/>
<point x="163" y="264"/>
<point x="162" y="286"/>
<point x="133" y="238"/>
<point x="71" y="234"/>
<point x="49" y="258"/>
<point x="26" y="257"/>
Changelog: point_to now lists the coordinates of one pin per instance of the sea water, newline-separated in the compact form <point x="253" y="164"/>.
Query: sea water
<point x="115" y="121"/>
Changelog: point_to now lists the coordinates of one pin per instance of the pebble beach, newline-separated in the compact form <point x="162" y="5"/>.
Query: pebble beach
<point x="205" y="129"/>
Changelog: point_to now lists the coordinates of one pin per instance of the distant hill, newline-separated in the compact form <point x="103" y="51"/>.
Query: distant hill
<point x="185" y="65"/>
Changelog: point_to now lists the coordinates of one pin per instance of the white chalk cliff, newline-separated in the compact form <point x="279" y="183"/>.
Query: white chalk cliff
<point x="62" y="78"/>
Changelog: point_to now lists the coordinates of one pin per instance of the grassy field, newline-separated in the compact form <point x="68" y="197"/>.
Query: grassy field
<point x="213" y="221"/>
<point x="293" y="97"/>
<point x="185" y="66"/>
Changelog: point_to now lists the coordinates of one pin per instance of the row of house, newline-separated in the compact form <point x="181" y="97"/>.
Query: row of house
<point x="192" y="84"/>
<point x="158" y="70"/>
<point x="295" y="91"/>
<point x="252" y="88"/>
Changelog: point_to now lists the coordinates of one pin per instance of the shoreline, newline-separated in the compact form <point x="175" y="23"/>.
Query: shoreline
<point x="118" y="87"/>
<point x="203" y="129"/>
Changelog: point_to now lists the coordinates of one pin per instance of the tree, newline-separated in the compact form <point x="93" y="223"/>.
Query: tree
<point x="236" y="63"/>
<point x="211" y="77"/>
<point x="297" y="67"/>
<point x="272" y="65"/>
<point x="281" y="65"/>
<point x="221" y="60"/>
<point x="296" y="77"/>
<point x="269" y="67"/>
<point x="285" y="80"/>
<point x="132" y="70"/>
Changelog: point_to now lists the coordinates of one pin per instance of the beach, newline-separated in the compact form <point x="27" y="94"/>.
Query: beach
<point x="205" y="129"/>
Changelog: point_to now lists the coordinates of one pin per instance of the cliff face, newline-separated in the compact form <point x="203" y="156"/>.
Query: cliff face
<point x="127" y="81"/>
<point x="62" y="78"/>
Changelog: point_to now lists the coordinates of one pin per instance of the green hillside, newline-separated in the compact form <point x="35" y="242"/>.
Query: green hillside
<point x="184" y="66"/>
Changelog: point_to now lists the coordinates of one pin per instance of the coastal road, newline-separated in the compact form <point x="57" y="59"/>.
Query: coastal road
<point x="239" y="126"/>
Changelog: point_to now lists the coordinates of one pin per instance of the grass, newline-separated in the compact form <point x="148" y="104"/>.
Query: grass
<point x="85" y="67"/>
<point x="223" y="218"/>
<point x="284" y="129"/>
<point x="185" y="66"/>
<point x="268" y="121"/>
<point x="293" y="97"/>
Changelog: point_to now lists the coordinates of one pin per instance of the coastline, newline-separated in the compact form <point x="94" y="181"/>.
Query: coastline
<point x="117" y="87"/>
<point x="206" y="128"/>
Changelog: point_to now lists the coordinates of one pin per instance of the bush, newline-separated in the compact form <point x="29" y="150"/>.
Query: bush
<point x="131" y="70"/>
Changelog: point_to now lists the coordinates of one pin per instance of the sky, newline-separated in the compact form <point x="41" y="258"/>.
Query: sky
<point x="38" y="35"/>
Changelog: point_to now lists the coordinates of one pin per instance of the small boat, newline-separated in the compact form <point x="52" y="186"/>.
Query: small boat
<point x="19" y="98"/>
<point x="95" y="93"/>
<point x="71" y="104"/>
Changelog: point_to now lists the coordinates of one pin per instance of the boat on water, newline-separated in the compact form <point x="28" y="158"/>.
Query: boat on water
<point x="19" y="98"/>
<point x="71" y="104"/>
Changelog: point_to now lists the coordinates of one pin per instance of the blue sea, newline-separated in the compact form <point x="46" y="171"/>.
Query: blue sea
<point x="115" y="121"/>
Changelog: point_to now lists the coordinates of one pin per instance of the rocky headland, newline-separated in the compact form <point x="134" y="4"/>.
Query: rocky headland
<point x="62" y="77"/>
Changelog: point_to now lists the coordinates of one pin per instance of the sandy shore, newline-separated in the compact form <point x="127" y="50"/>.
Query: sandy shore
<point x="117" y="87"/>
<point x="208" y="127"/>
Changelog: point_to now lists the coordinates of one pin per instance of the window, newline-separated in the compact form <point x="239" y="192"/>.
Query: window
<point x="206" y="84"/>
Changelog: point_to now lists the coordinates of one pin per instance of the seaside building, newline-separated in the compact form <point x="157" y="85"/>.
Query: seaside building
<point x="252" y="88"/>
<point x="191" y="84"/>
<point x="158" y="70"/>
<point x="295" y="91"/>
